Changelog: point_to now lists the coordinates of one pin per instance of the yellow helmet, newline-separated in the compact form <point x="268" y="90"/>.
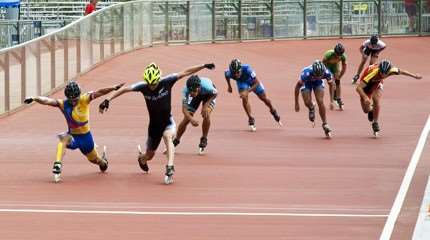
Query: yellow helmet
<point x="152" y="74"/>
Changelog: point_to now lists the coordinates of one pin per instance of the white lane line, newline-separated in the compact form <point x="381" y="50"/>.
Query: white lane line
<point x="100" y="205"/>
<point x="407" y="179"/>
<point x="422" y="227"/>
<point x="263" y="214"/>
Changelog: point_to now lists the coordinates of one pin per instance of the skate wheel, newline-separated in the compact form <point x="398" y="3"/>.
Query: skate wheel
<point x="57" y="178"/>
<point x="328" y="135"/>
<point x="252" y="128"/>
<point x="376" y="134"/>
<point x="168" y="180"/>
<point x="201" y="151"/>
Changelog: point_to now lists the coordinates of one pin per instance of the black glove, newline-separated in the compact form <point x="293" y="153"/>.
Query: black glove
<point x="209" y="66"/>
<point x="28" y="100"/>
<point x="104" y="106"/>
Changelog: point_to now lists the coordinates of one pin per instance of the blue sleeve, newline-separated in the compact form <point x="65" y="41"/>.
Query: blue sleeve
<point x="328" y="75"/>
<point x="208" y="87"/>
<point x="227" y="74"/>
<point x="250" y="72"/>
<point x="305" y="76"/>
<point x="170" y="79"/>
<point x="137" y="87"/>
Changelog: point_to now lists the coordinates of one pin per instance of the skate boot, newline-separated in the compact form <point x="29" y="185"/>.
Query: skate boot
<point x="56" y="170"/>
<point x="202" y="145"/>
<point x="276" y="117"/>
<point x="327" y="130"/>
<point x="251" y="123"/>
<point x="168" y="178"/>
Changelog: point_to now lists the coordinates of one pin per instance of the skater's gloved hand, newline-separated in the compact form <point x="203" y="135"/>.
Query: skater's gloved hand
<point x="118" y="86"/>
<point x="28" y="100"/>
<point x="209" y="66"/>
<point x="229" y="89"/>
<point x="104" y="106"/>
<point x="297" y="107"/>
<point x="194" y="122"/>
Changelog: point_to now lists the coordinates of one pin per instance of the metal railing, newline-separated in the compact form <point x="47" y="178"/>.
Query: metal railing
<point x="43" y="65"/>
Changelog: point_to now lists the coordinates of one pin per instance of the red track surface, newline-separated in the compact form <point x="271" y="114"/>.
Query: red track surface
<point x="275" y="170"/>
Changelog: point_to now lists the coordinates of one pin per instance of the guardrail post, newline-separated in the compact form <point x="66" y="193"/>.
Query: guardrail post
<point x="304" y="19"/>
<point x="132" y="26"/>
<point x="188" y="21"/>
<point x="420" y="13"/>
<point x="140" y="24"/>
<point x="101" y="39"/>
<point x="66" y="56"/>
<point x="213" y="21"/>
<point x="240" y="19"/>
<point x="341" y="18"/>
<point x="6" y="69"/>
<point x="166" y="20"/>
<point x="52" y="56"/>
<point x="151" y="24"/>
<point x="112" y="32"/>
<point x="78" y="50"/>
<point x="38" y="70"/>
<point x="23" y="63"/>
<point x="91" y="50"/>
<point x="272" y="18"/>
<point x="122" y="44"/>
<point x="379" y="17"/>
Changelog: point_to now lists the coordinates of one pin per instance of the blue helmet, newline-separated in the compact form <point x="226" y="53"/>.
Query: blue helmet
<point x="235" y="66"/>
<point x="318" y="68"/>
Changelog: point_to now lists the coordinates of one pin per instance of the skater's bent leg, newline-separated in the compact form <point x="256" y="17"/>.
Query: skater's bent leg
<point x="376" y="104"/>
<point x="319" y="96"/>
<point x="168" y="141"/>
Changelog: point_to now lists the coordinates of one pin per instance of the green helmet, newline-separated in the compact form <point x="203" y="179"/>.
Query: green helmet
<point x="152" y="74"/>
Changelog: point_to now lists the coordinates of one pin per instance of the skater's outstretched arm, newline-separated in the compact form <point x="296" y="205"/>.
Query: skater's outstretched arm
<point x="409" y="74"/>
<point x="42" y="100"/>
<point x="104" y="106"/>
<point x="104" y="91"/>
<point x="195" y="69"/>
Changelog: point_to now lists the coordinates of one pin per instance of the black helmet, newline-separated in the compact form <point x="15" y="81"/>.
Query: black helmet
<point x="339" y="49"/>
<point x="235" y="66"/>
<point x="374" y="39"/>
<point x="72" y="90"/>
<point x="318" y="68"/>
<point x="384" y="67"/>
<point x="193" y="83"/>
